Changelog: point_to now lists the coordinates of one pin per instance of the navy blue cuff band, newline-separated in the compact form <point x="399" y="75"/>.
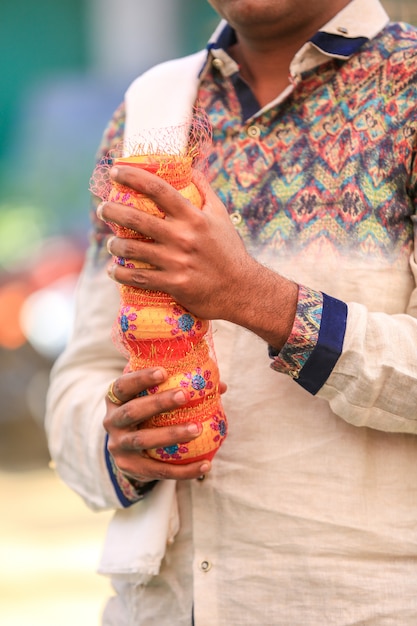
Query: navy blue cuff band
<point x="141" y="489"/>
<point x="123" y="500"/>
<point x="329" y="346"/>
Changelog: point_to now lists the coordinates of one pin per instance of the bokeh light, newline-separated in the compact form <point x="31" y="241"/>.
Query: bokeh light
<point x="12" y="299"/>
<point x="21" y="234"/>
<point x="46" y="316"/>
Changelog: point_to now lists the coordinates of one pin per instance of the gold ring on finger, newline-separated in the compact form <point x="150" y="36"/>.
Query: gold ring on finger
<point x="112" y="396"/>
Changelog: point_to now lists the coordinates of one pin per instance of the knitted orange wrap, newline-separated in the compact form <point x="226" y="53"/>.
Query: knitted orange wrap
<point x="154" y="330"/>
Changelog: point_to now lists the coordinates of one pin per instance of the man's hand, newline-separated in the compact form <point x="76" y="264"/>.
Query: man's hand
<point x="198" y="258"/>
<point x="197" y="254"/>
<point x="128" y="442"/>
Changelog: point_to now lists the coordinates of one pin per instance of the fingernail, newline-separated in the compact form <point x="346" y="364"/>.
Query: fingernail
<point x="193" y="429"/>
<point x="111" y="271"/>
<point x="180" y="397"/>
<point x="108" y="244"/>
<point x="99" y="211"/>
<point x="204" y="468"/>
<point x="114" y="172"/>
<point x="158" y="376"/>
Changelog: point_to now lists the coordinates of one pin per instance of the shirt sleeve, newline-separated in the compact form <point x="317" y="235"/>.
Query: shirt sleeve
<point x="81" y="375"/>
<point x="315" y="342"/>
<point x="374" y="382"/>
<point x="370" y="379"/>
<point x="362" y="362"/>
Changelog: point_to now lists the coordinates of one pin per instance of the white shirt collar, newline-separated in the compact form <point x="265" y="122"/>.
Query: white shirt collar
<point x="360" y="19"/>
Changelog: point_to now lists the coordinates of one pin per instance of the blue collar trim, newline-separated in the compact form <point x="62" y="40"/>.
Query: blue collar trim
<point x="337" y="44"/>
<point x="225" y="40"/>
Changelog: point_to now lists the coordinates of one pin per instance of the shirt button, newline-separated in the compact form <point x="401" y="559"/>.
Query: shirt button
<point x="217" y="63"/>
<point x="205" y="566"/>
<point x="201" y="478"/>
<point x="235" y="218"/>
<point x="254" y="131"/>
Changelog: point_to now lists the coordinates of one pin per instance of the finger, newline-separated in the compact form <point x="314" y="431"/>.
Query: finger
<point x="168" y="199"/>
<point x="142" y="278"/>
<point x="143" y="250"/>
<point x="161" y="437"/>
<point x="211" y="201"/>
<point x="201" y="182"/>
<point x="134" y="412"/>
<point x="130" y="385"/>
<point x="129" y="217"/>
<point x="222" y="387"/>
<point x="146" y="469"/>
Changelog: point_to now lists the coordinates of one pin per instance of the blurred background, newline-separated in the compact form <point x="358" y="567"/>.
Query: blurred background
<point x="64" y="67"/>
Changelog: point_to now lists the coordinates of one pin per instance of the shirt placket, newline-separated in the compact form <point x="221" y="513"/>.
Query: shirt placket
<point x="206" y="561"/>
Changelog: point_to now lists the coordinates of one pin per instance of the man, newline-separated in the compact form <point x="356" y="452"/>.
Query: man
<point x="304" y="255"/>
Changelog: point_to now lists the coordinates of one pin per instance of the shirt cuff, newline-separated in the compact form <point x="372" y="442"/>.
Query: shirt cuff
<point x="128" y="491"/>
<point x="315" y="342"/>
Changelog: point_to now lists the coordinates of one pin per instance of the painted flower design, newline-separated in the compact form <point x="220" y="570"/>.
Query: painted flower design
<point x="123" y="262"/>
<point x="219" y="426"/>
<point x="126" y="318"/>
<point x="199" y="381"/>
<point x="183" y="322"/>
<point x="147" y="392"/>
<point x="172" y="452"/>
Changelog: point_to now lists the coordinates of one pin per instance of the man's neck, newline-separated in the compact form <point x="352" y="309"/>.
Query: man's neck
<point x="264" y="52"/>
<point x="266" y="73"/>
